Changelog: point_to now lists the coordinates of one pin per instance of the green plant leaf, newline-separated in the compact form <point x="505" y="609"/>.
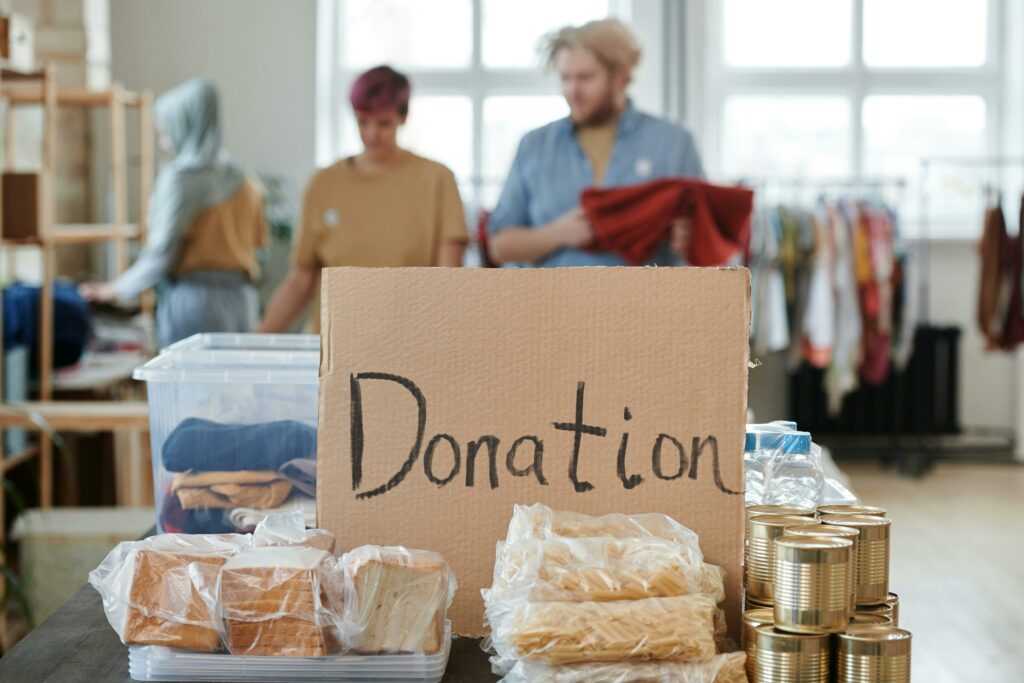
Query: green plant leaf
<point x="15" y="589"/>
<point x="12" y="492"/>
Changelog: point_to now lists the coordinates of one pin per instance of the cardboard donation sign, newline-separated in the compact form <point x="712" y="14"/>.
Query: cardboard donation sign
<point x="448" y="395"/>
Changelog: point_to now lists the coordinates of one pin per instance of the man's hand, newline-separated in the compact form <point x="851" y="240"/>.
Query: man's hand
<point x="102" y="292"/>
<point x="574" y="229"/>
<point x="679" y="239"/>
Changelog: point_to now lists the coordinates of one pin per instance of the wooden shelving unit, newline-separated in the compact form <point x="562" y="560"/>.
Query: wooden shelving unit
<point x="38" y="88"/>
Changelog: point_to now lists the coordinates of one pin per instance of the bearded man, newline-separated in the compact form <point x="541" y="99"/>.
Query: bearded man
<point x="604" y="142"/>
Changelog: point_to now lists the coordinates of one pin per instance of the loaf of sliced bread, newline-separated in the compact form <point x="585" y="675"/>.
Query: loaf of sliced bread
<point x="401" y="598"/>
<point x="274" y="602"/>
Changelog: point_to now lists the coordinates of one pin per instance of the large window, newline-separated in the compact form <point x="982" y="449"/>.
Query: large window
<point x="478" y="79"/>
<point x="861" y="90"/>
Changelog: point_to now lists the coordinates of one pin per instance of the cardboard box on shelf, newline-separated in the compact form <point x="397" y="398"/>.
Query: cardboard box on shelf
<point x="23" y="207"/>
<point x="17" y="40"/>
<point x="448" y="395"/>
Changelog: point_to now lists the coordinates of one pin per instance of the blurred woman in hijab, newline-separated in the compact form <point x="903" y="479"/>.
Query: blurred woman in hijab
<point x="205" y="224"/>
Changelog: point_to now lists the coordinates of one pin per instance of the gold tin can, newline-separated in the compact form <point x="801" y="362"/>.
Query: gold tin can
<point x="777" y="510"/>
<point x="760" y="552"/>
<point x="811" y="584"/>
<point x="791" y="657"/>
<point x="873" y="654"/>
<point x="869" y="510"/>
<point x="752" y="619"/>
<point x="872" y="555"/>
<point x="870" y="619"/>
<point x="835" y="532"/>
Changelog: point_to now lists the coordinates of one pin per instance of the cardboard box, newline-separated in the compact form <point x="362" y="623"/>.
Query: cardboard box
<point x="17" y="42"/>
<point x="448" y="395"/>
<point x="22" y="206"/>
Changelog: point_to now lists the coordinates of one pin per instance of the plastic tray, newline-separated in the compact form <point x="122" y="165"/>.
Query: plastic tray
<point x="152" y="663"/>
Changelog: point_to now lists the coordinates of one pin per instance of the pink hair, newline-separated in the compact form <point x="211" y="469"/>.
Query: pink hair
<point x="381" y="89"/>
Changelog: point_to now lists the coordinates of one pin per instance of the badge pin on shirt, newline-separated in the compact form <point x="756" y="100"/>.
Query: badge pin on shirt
<point x="331" y="218"/>
<point x="643" y="168"/>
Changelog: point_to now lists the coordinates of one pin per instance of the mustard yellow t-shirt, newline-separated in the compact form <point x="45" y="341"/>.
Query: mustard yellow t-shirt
<point x="597" y="143"/>
<point x="226" y="236"/>
<point x="397" y="217"/>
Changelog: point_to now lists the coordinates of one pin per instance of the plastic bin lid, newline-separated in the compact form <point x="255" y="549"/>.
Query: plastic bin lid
<point x="224" y="341"/>
<point x="237" y="359"/>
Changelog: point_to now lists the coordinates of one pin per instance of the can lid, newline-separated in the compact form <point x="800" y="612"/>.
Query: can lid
<point x="851" y="510"/>
<point x="755" y="510"/>
<point x="875" y="640"/>
<point x="813" y="542"/>
<point x="822" y="530"/>
<point x="869" y="619"/>
<point x="883" y="608"/>
<point x="762" y="616"/>
<point x="773" y="639"/>
<point x="782" y="521"/>
<point x="855" y="521"/>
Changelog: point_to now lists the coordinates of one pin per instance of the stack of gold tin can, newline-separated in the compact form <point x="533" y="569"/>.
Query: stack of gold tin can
<point x="818" y="600"/>
<point x="760" y="552"/>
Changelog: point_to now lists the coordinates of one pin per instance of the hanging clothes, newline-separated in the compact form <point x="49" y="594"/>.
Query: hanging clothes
<point x="840" y="284"/>
<point x="876" y="295"/>
<point x="819" y="315"/>
<point x="1013" y="325"/>
<point x="999" y="313"/>
<point x="993" y="238"/>
<point x="842" y="378"/>
<point x="769" y="330"/>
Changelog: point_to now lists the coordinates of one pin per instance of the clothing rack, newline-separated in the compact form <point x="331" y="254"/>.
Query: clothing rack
<point x="800" y="181"/>
<point x="928" y="165"/>
<point x="821" y="185"/>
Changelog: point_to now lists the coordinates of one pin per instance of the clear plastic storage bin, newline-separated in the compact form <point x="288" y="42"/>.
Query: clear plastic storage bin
<point x="232" y="429"/>
<point x="163" y="664"/>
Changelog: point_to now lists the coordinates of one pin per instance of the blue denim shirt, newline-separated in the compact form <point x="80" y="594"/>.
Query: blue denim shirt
<point x="550" y="171"/>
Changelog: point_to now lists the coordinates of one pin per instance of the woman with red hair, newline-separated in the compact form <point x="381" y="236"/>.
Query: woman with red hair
<point x="384" y="207"/>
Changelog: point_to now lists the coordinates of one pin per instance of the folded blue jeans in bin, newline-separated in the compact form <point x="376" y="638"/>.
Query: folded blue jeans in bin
<point x="198" y="445"/>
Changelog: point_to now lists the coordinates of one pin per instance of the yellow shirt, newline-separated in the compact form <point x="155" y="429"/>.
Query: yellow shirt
<point x="397" y="217"/>
<point x="226" y="236"/>
<point x="597" y="143"/>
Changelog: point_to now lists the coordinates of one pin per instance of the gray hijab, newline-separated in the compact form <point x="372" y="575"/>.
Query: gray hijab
<point x="200" y="175"/>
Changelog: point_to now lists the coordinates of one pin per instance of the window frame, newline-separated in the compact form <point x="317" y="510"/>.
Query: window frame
<point x="717" y="81"/>
<point x="476" y="81"/>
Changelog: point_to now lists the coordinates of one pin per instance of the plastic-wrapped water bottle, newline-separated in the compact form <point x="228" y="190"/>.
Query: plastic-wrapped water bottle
<point x="782" y="466"/>
<point x="754" y="459"/>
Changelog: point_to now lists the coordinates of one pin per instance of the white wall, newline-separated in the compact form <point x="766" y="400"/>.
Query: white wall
<point x="262" y="54"/>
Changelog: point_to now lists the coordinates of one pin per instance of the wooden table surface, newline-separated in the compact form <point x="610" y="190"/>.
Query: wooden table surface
<point x="77" y="644"/>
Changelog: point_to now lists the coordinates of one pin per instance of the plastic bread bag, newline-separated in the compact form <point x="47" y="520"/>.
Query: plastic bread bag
<point x="281" y="601"/>
<point x="680" y="628"/>
<point x="603" y="569"/>
<point x="289" y="529"/>
<point x="725" y="668"/>
<point x="152" y="589"/>
<point x="540" y="521"/>
<point x="398" y="598"/>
